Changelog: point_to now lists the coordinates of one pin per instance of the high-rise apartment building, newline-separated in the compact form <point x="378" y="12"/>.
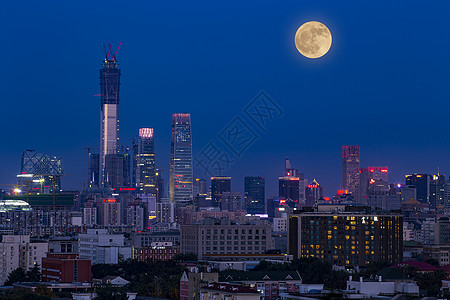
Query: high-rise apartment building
<point x="111" y="212"/>
<point x="144" y="162"/>
<point x="350" y="170"/>
<point x="255" y="195"/>
<point x="219" y="185"/>
<point x="181" y="177"/>
<point x="109" y="121"/>
<point x="18" y="252"/>
<point x="346" y="235"/>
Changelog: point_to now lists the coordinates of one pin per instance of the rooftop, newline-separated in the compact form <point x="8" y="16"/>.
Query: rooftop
<point x="230" y="288"/>
<point x="8" y="205"/>
<point x="258" y="276"/>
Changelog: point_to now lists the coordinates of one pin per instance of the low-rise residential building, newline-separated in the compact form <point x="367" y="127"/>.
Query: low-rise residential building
<point x="222" y="291"/>
<point x="157" y="251"/>
<point x="270" y="284"/>
<point x="191" y="282"/>
<point x="440" y="253"/>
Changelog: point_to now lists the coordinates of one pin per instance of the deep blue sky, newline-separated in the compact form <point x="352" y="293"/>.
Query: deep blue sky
<point x="384" y="84"/>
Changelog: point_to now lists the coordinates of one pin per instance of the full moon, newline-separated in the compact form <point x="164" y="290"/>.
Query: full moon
<point x="313" y="39"/>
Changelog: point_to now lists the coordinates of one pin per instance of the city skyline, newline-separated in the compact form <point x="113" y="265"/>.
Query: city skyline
<point x="147" y="84"/>
<point x="193" y="150"/>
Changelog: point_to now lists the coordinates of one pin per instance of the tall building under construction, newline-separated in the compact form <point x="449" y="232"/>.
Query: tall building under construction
<point x="110" y="161"/>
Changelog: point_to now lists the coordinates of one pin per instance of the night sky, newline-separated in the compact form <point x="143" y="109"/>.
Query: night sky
<point x="384" y="84"/>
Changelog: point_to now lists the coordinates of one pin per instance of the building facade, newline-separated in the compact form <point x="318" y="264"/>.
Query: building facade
<point x="350" y="170"/>
<point x="101" y="247"/>
<point x="344" y="237"/>
<point x="422" y="184"/>
<point x="157" y="251"/>
<point x="181" y="176"/>
<point x="219" y="185"/>
<point x="255" y="194"/>
<point x="19" y="252"/>
<point x="109" y="122"/>
<point x="225" y="236"/>
<point x="144" y="162"/>
<point x="111" y="212"/>
<point x="66" y="268"/>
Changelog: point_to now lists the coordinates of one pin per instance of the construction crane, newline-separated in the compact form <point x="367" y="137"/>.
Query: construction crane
<point x="52" y="177"/>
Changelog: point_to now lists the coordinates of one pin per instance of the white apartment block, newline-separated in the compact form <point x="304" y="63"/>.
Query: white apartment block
<point x="280" y="224"/>
<point x="102" y="247"/>
<point x="17" y="251"/>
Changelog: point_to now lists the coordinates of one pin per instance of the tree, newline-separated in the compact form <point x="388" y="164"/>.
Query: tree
<point x="43" y="290"/>
<point x="430" y="281"/>
<point x="108" y="292"/>
<point x="185" y="257"/>
<point x="373" y="268"/>
<point x="270" y="266"/>
<point x="336" y="280"/>
<point x="432" y="262"/>
<point x="313" y="270"/>
<point x="17" y="275"/>
<point x="34" y="274"/>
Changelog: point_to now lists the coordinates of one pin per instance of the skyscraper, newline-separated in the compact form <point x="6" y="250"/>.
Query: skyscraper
<point x="350" y="170"/>
<point x="46" y="169"/>
<point x="422" y="184"/>
<point x="291" y="186"/>
<point x="439" y="191"/>
<point x="368" y="177"/>
<point x="144" y="161"/>
<point x="180" y="177"/>
<point x="219" y="185"/>
<point x="200" y="187"/>
<point x="94" y="168"/>
<point x="109" y="120"/>
<point x="314" y="192"/>
<point x="160" y="183"/>
<point x="255" y="194"/>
